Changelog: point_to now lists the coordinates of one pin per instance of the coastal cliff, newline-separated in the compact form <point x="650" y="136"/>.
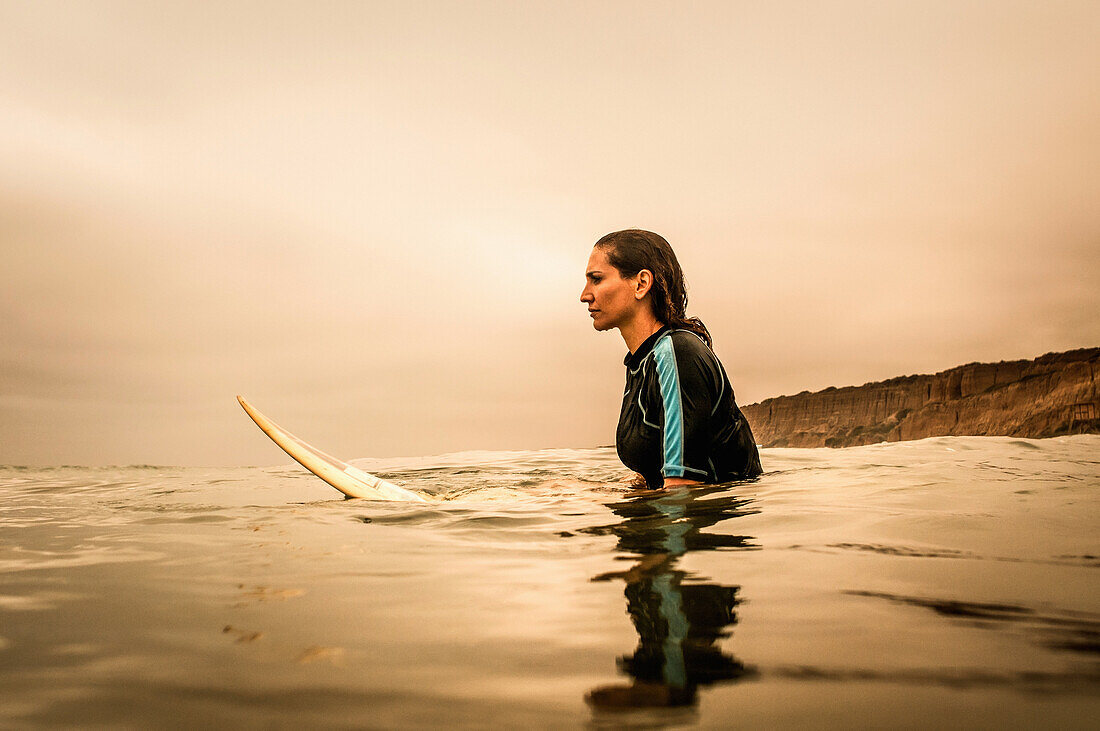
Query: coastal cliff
<point x="1054" y="394"/>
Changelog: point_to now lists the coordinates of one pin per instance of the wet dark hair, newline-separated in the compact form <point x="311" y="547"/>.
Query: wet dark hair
<point x="633" y="250"/>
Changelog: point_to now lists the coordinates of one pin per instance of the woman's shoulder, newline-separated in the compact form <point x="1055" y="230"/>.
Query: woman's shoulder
<point x="688" y="341"/>
<point x="695" y="361"/>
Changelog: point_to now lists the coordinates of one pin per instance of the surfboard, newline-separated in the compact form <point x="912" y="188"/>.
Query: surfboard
<point x="346" y="478"/>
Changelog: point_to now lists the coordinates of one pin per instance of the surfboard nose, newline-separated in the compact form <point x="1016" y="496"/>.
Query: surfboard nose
<point x="248" y="408"/>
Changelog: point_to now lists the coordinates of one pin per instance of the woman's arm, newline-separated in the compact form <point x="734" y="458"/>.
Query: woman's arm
<point x="686" y="388"/>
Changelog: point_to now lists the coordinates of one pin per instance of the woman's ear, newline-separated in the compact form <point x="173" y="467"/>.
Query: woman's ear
<point x="643" y="283"/>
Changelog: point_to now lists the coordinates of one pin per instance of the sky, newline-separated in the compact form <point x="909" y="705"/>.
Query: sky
<point x="373" y="219"/>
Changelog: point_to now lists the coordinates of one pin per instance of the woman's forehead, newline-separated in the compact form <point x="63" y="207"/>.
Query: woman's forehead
<point x="598" y="260"/>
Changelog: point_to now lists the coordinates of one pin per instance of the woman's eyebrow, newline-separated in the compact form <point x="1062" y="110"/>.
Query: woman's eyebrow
<point x="593" y="273"/>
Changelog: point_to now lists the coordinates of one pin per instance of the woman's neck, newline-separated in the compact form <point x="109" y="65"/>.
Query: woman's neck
<point x="637" y="330"/>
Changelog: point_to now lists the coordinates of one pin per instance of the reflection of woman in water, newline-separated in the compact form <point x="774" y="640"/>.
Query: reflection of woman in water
<point x="680" y="619"/>
<point x="679" y="422"/>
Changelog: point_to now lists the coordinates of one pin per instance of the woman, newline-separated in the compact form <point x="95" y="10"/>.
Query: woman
<point x="679" y="424"/>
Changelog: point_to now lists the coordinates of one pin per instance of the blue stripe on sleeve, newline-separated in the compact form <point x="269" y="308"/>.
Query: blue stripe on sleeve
<point x="669" y="379"/>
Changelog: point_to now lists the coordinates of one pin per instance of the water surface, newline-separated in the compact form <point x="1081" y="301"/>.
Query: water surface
<point x="945" y="581"/>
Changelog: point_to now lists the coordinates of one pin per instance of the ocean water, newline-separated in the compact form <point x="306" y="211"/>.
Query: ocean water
<point x="944" y="582"/>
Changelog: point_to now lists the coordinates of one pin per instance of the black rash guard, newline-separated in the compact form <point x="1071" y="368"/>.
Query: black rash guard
<point x="679" y="417"/>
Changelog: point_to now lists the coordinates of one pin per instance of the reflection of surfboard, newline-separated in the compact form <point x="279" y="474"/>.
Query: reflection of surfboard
<point x="349" y="480"/>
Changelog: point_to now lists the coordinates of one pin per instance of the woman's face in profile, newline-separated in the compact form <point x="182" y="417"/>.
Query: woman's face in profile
<point x="610" y="297"/>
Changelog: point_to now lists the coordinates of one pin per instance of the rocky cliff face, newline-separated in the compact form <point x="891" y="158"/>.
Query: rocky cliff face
<point x="1051" y="395"/>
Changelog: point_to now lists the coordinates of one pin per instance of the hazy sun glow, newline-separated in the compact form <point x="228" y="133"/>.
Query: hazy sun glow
<point x="373" y="220"/>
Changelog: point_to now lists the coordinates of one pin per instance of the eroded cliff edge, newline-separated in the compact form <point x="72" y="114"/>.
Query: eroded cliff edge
<point x="1051" y="395"/>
